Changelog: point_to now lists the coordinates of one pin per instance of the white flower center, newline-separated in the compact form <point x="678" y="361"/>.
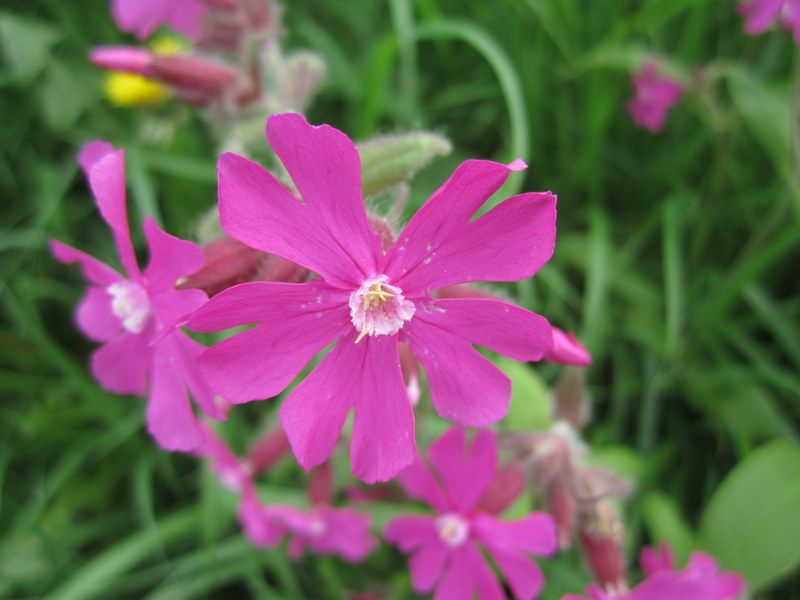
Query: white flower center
<point x="129" y="302"/>
<point x="316" y="527"/>
<point x="377" y="308"/>
<point x="453" y="529"/>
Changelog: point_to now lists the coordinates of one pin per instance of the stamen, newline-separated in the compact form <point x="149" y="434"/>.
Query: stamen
<point x="379" y="308"/>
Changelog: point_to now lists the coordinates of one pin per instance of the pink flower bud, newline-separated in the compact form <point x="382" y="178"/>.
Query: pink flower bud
<point x="567" y="350"/>
<point x="507" y="485"/>
<point x="193" y="73"/>
<point x="320" y="485"/>
<point x="123" y="58"/>
<point x="229" y="262"/>
<point x="604" y="556"/>
<point x="562" y="505"/>
<point x="268" y="451"/>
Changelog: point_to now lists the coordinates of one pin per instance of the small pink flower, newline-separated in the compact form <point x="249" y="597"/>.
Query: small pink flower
<point x="699" y="580"/>
<point x="655" y="94"/>
<point x="445" y="548"/>
<point x="323" y="529"/>
<point x="760" y="15"/>
<point x="143" y="17"/>
<point x="368" y="300"/>
<point x="136" y="317"/>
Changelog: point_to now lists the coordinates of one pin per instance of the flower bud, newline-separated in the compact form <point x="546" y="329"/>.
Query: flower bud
<point x="305" y="70"/>
<point x="193" y="73"/>
<point x="392" y="159"/>
<point x="128" y="59"/>
<point x="603" y="551"/>
<point x="268" y="451"/>
<point x="508" y="483"/>
<point x="320" y="485"/>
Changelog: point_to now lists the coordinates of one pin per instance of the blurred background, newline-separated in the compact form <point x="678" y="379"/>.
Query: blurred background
<point x="676" y="265"/>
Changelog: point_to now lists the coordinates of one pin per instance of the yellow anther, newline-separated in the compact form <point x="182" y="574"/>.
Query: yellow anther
<point x="376" y="296"/>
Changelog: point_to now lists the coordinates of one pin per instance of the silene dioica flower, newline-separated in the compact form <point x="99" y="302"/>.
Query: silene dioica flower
<point x="699" y="580"/>
<point x="367" y="300"/>
<point x="760" y="15"/>
<point x="135" y="315"/>
<point x="446" y="547"/>
<point x="655" y="94"/>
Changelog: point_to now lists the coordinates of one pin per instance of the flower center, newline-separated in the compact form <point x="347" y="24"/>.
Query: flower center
<point x="378" y="308"/>
<point x="129" y="302"/>
<point x="453" y="529"/>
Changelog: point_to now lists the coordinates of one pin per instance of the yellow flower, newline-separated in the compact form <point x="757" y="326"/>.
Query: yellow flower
<point x="128" y="89"/>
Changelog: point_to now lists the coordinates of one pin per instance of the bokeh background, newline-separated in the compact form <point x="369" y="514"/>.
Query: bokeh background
<point x="677" y="263"/>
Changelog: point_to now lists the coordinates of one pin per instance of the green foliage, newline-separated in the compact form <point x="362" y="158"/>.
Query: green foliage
<point x="676" y="264"/>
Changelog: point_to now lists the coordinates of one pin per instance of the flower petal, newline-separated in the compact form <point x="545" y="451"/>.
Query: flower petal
<point x="383" y="422"/>
<point x="106" y="174"/>
<point x="94" y="316"/>
<point x="426" y="565"/>
<point x="170" y="258"/>
<point x="441" y="246"/>
<point x="121" y="365"/>
<point x="188" y="352"/>
<point x="499" y="326"/>
<point x="301" y="319"/>
<point x="314" y="413"/>
<point x="325" y="166"/>
<point x="418" y="481"/>
<point x="94" y="271"/>
<point x="567" y="350"/>
<point x="465" y="387"/>
<point x="466" y="473"/>
<point x="258" y="211"/>
<point x="458" y="580"/>
<point x="411" y="532"/>
<point x="170" y="419"/>
<point x="346" y="534"/>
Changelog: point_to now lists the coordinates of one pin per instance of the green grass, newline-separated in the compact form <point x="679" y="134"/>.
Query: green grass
<point x="676" y="263"/>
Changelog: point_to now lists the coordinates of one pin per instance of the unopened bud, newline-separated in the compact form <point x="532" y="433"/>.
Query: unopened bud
<point x="229" y="262"/>
<point x="409" y="366"/>
<point x="320" y="485"/>
<point x="562" y="505"/>
<point x="268" y="451"/>
<point x="304" y="72"/>
<point x="605" y="559"/>
<point x="128" y="59"/>
<point x="567" y="350"/>
<point x="392" y="159"/>
<point x="507" y="485"/>
<point x="193" y="73"/>
<point x="571" y="398"/>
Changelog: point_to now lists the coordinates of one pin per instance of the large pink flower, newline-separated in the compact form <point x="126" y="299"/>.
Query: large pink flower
<point x="367" y="300"/>
<point x="135" y="316"/>
<point x="143" y="17"/>
<point x="446" y="554"/>
<point x="699" y="580"/>
<point x="655" y="94"/>
<point x="760" y="15"/>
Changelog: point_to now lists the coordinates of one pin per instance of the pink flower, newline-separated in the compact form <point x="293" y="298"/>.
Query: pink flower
<point x="143" y="17"/>
<point x="135" y="316"/>
<point x="323" y="529"/>
<point x="699" y="580"/>
<point x="446" y="552"/>
<point x="761" y="14"/>
<point x="368" y="300"/>
<point x="655" y="95"/>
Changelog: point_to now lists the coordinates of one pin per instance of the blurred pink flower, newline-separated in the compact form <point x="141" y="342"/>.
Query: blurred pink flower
<point x="143" y="17"/>
<point x="322" y="529"/>
<point x="136" y="316"/>
<point x="446" y="552"/>
<point x="366" y="301"/>
<point x="699" y="580"/>
<point x="655" y="94"/>
<point x="760" y="15"/>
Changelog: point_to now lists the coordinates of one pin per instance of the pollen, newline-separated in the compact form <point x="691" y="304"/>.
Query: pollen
<point x="379" y="308"/>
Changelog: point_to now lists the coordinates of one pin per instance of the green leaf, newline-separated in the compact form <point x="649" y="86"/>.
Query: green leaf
<point x="531" y="406"/>
<point x="68" y="91"/>
<point x="665" y="523"/>
<point x="26" y="45"/>
<point x="766" y="113"/>
<point x="752" y="523"/>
